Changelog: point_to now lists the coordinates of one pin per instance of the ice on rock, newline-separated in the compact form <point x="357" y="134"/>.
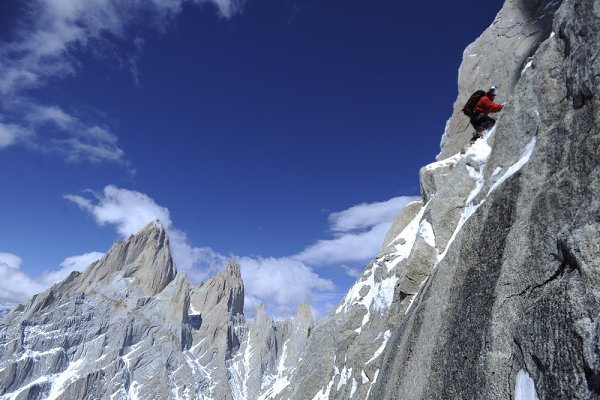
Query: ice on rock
<point x="64" y="379"/>
<point x="344" y="377"/>
<point x="450" y="161"/>
<point x="384" y="294"/>
<point x="323" y="394"/>
<point x="386" y="337"/>
<point x="405" y="241"/>
<point x="525" y="387"/>
<point x="426" y="232"/>
<point x="526" y="67"/>
<point x="354" y="387"/>
<point x="525" y="155"/>
<point x="365" y="378"/>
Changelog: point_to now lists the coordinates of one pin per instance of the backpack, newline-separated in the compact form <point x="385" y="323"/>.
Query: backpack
<point x="472" y="102"/>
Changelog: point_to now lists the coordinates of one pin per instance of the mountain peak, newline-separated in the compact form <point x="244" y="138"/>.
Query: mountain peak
<point x="155" y="225"/>
<point x="145" y="257"/>
<point x="226" y="289"/>
<point x="304" y="312"/>
<point x="233" y="269"/>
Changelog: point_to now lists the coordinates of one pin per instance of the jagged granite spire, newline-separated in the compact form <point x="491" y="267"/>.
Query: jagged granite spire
<point x="124" y="328"/>
<point x="144" y="257"/>
<point x="270" y="351"/>
<point x="228" y="283"/>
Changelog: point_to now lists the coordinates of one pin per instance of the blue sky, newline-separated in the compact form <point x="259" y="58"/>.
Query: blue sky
<point x="285" y="133"/>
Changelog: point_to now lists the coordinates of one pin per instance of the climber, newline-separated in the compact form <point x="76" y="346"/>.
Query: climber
<point x="479" y="113"/>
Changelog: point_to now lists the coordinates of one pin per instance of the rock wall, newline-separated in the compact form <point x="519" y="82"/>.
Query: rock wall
<point x="515" y="299"/>
<point x="497" y="57"/>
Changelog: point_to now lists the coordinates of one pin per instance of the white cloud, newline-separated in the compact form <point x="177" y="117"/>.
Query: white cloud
<point x="349" y="247"/>
<point x="351" y="272"/>
<point x="69" y="264"/>
<point x="359" y="233"/>
<point x="128" y="210"/>
<point x="10" y="133"/>
<point x="51" y="114"/>
<point x="281" y="283"/>
<point x="42" y="51"/>
<point x="199" y="263"/>
<point x="367" y="215"/>
<point x="10" y="260"/>
<point x="17" y="287"/>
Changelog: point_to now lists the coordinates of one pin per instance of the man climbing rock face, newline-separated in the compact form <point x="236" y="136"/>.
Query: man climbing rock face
<point x="480" y="118"/>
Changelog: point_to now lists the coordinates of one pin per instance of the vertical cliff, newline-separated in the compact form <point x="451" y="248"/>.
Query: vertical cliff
<point x="513" y="302"/>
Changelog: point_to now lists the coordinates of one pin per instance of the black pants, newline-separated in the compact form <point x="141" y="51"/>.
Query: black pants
<point x="482" y="122"/>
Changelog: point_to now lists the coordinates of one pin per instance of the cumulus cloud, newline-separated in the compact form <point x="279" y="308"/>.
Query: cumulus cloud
<point x="367" y="215"/>
<point x="351" y="272"/>
<point x="10" y="260"/>
<point x="281" y="283"/>
<point x="17" y="287"/>
<point x="69" y="264"/>
<point x="42" y="50"/>
<point x="128" y="210"/>
<point x="358" y="233"/>
<point x="347" y="248"/>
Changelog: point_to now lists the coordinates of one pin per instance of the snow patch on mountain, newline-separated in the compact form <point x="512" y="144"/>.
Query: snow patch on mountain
<point x="386" y="337"/>
<point x="524" y="387"/>
<point x="525" y="155"/>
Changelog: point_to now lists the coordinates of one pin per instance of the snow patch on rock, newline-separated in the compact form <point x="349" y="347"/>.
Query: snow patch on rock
<point x="384" y="294"/>
<point x="386" y="337"/>
<point x="525" y="155"/>
<point x="426" y="232"/>
<point x="525" y="387"/>
<point x="450" y="161"/>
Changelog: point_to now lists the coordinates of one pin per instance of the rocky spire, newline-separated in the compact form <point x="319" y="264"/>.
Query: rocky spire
<point x="144" y="257"/>
<point x="224" y="291"/>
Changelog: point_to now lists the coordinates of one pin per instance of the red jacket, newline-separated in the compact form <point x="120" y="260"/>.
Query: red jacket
<point x="487" y="106"/>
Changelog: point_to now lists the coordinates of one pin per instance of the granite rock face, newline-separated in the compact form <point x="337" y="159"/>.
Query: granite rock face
<point x="498" y="57"/>
<point x="514" y="300"/>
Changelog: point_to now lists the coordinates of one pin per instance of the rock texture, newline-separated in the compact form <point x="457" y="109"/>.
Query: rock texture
<point x="515" y="300"/>
<point x="487" y="289"/>
<point x="498" y="57"/>
<point x="127" y="327"/>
